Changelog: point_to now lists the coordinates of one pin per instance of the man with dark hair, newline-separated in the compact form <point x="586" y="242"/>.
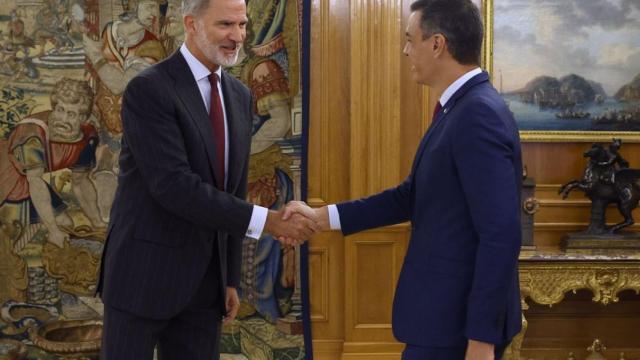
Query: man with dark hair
<point x="457" y="296"/>
<point x="458" y="21"/>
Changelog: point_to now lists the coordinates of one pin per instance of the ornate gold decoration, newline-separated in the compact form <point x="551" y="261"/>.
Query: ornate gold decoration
<point x="73" y="337"/>
<point x="546" y="283"/>
<point x="573" y="357"/>
<point x="577" y="136"/>
<point x="606" y="281"/>
<point x="547" y="279"/>
<point x="595" y="350"/>
<point x="487" y="45"/>
<point x="512" y="352"/>
<point x="76" y="268"/>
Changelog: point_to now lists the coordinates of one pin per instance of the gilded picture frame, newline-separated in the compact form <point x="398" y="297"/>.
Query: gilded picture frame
<point x="490" y="56"/>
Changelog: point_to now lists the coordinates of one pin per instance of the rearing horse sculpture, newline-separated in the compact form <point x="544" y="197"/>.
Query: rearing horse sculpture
<point x="607" y="179"/>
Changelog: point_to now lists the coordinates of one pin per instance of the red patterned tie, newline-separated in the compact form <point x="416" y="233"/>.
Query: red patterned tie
<point x="216" y="115"/>
<point x="435" y="111"/>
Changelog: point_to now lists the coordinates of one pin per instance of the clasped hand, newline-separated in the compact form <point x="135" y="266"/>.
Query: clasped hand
<point x="296" y="222"/>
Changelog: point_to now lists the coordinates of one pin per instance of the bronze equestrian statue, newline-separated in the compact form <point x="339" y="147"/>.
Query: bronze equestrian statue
<point x="607" y="179"/>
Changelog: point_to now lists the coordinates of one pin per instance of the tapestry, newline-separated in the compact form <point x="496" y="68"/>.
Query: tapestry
<point x="64" y="65"/>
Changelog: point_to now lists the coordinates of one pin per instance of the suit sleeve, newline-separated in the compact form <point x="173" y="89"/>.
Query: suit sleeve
<point x="484" y="152"/>
<point x="234" y="246"/>
<point x="389" y="207"/>
<point x="153" y="135"/>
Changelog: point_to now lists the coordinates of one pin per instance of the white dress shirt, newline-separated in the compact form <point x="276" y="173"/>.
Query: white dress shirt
<point x="201" y="75"/>
<point x="334" y="215"/>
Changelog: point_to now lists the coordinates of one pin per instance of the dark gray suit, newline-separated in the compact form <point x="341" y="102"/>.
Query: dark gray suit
<point x="174" y="240"/>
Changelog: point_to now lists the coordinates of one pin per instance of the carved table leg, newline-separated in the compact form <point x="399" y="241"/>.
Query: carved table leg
<point x="513" y="351"/>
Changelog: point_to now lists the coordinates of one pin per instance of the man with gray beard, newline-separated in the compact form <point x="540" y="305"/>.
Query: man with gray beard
<point x="171" y="263"/>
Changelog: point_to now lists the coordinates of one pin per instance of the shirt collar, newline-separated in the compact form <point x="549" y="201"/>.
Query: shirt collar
<point x="197" y="68"/>
<point x="456" y="85"/>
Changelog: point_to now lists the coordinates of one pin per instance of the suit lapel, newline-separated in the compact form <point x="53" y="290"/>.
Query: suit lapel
<point x="439" y="119"/>
<point x="238" y="146"/>
<point x="189" y="93"/>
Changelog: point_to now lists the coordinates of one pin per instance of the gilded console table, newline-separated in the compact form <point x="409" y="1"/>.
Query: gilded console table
<point x="545" y="277"/>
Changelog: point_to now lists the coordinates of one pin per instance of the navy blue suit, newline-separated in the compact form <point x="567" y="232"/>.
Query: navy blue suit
<point x="175" y="241"/>
<point x="459" y="279"/>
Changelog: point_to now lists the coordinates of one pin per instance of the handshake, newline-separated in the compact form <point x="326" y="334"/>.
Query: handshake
<point x="296" y="222"/>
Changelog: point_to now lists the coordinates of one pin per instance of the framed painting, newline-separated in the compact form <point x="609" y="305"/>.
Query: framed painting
<point x="569" y="70"/>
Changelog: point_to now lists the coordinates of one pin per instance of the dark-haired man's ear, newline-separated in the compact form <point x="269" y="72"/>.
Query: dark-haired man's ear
<point x="437" y="43"/>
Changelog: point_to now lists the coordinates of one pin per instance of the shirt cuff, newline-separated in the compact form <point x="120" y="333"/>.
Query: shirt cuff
<point x="256" y="224"/>
<point x="334" y="218"/>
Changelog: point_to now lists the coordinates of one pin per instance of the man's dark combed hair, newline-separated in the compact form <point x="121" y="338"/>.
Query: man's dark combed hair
<point x="460" y="23"/>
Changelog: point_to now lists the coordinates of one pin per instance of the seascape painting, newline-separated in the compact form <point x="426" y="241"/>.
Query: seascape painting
<point x="569" y="65"/>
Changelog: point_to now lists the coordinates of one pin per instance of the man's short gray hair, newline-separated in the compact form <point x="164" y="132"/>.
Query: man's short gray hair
<point x="194" y="7"/>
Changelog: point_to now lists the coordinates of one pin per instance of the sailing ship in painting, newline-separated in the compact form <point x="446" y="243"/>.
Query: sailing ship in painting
<point x="575" y="102"/>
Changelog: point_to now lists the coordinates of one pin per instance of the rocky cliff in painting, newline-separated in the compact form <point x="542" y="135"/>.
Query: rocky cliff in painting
<point x="597" y="87"/>
<point x="630" y="92"/>
<point x="566" y="92"/>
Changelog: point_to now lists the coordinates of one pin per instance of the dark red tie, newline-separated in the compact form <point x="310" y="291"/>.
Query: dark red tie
<point x="435" y="111"/>
<point x="216" y="115"/>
